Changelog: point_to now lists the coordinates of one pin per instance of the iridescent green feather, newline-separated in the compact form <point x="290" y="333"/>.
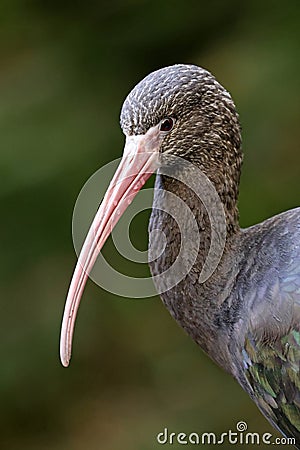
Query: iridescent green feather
<point x="272" y="370"/>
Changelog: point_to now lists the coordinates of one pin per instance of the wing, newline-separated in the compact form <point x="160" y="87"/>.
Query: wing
<point x="272" y="371"/>
<point x="271" y="347"/>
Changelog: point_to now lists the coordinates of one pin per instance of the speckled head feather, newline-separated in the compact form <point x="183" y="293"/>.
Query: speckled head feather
<point x="165" y="92"/>
<point x="176" y="91"/>
<point x="206" y="130"/>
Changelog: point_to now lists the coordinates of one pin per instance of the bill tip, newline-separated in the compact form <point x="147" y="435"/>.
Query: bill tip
<point x="65" y="358"/>
<point x="65" y="362"/>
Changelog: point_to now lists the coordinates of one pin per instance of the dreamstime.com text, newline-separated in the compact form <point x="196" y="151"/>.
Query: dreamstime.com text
<point x="238" y="436"/>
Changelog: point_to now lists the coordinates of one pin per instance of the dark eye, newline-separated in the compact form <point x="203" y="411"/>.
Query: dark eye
<point x="167" y="124"/>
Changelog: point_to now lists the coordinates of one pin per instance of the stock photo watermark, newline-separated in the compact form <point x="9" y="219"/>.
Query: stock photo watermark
<point x="240" y="435"/>
<point x="106" y="276"/>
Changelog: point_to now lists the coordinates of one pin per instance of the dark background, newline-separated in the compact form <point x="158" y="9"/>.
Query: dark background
<point x="65" y="70"/>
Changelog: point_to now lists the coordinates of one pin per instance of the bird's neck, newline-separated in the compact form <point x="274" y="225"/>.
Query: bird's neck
<point x="174" y="239"/>
<point x="204" y="189"/>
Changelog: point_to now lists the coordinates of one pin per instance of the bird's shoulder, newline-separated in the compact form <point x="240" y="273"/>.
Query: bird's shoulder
<point x="270" y="340"/>
<point x="270" y="274"/>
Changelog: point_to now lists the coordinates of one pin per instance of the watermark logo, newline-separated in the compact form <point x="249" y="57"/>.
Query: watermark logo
<point x="192" y="178"/>
<point x="239" y="436"/>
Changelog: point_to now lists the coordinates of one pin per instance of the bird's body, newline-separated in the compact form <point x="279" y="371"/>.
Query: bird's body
<point x="246" y="314"/>
<point x="246" y="317"/>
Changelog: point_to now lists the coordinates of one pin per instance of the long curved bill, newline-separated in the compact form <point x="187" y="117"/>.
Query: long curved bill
<point x="140" y="160"/>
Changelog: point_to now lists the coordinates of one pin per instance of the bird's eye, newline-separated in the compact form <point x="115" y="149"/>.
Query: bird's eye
<point x="167" y="124"/>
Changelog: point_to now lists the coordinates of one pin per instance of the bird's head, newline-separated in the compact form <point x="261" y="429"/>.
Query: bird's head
<point x="182" y="110"/>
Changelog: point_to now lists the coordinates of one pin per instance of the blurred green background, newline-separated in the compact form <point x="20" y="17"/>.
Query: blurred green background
<point x="65" y="70"/>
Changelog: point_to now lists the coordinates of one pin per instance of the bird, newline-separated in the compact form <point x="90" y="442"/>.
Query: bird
<point x="244" y="311"/>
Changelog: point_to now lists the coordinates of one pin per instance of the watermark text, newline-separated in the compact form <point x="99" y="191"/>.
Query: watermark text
<point x="238" y="436"/>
